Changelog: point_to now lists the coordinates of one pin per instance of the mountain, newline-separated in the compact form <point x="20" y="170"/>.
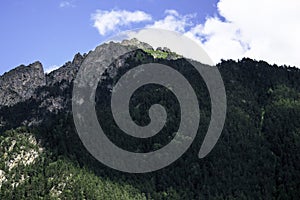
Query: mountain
<point x="20" y="83"/>
<point x="257" y="156"/>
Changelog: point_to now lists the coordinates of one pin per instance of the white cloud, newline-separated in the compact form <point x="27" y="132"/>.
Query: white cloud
<point x="261" y="29"/>
<point x="66" y="4"/>
<point x="173" y="21"/>
<point x="220" y="40"/>
<point x="174" y="41"/>
<point x="106" y="21"/>
<point x="51" y="68"/>
<point x="155" y="35"/>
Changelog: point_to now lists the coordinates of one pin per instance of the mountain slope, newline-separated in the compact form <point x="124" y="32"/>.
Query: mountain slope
<point x="257" y="156"/>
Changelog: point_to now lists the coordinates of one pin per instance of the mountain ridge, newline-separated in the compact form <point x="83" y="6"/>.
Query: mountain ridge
<point x="257" y="155"/>
<point x="67" y="72"/>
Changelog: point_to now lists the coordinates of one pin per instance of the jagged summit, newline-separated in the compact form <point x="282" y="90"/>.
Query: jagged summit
<point x="20" y="83"/>
<point x="78" y="58"/>
<point x="37" y="65"/>
<point x="66" y="72"/>
<point x="136" y="43"/>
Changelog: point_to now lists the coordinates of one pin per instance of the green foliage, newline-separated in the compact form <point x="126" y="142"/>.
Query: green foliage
<point x="257" y="156"/>
<point x="157" y="53"/>
<point x="160" y="54"/>
<point x="58" y="179"/>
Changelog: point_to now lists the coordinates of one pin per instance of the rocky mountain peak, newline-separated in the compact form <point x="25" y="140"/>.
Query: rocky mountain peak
<point x="67" y="72"/>
<point x="37" y="66"/>
<point x="20" y="83"/>
<point x="77" y="60"/>
<point x="136" y="43"/>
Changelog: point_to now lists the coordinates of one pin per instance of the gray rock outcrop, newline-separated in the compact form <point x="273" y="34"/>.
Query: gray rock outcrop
<point x="20" y="83"/>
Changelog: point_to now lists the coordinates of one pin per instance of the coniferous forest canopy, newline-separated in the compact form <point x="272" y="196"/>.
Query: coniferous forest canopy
<point x="257" y="156"/>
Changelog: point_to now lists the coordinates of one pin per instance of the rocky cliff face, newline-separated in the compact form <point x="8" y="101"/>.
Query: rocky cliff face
<point x="67" y="72"/>
<point x="137" y="44"/>
<point x="28" y="95"/>
<point x="20" y="83"/>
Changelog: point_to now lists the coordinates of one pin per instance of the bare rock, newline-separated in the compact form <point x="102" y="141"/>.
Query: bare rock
<point x="20" y="83"/>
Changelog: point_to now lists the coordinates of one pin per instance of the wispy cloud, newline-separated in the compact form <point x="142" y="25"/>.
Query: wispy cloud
<point x="107" y="21"/>
<point x="173" y="21"/>
<point x="66" y="4"/>
<point x="261" y="29"/>
<point x="51" y="68"/>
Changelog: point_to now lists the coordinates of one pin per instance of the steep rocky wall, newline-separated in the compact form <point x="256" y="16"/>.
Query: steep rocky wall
<point x="20" y="83"/>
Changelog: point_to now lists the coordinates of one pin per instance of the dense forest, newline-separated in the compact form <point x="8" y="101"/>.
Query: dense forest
<point x="257" y="156"/>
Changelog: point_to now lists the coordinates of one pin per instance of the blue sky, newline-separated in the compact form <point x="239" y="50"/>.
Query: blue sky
<point x="53" y="31"/>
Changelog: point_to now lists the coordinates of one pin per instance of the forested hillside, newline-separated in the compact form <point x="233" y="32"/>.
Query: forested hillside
<point x="257" y="156"/>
